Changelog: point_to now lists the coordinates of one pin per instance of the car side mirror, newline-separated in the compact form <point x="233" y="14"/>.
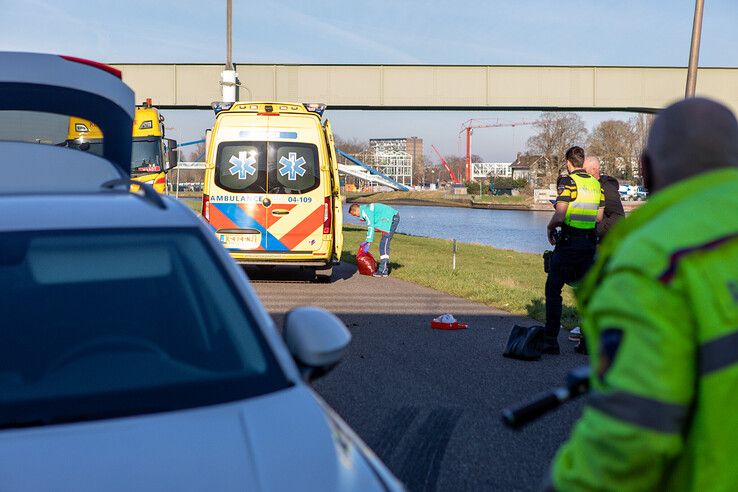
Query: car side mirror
<point x="170" y="161"/>
<point x="316" y="339"/>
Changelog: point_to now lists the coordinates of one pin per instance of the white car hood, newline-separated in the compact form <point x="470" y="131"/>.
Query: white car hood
<point x="282" y="441"/>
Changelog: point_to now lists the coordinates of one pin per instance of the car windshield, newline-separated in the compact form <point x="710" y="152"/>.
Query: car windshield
<point x="91" y="147"/>
<point x="100" y="324"/>
<point x="146" y="156"/>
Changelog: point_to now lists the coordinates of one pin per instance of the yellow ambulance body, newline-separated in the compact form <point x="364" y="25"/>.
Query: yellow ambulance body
<point x="271" y="190"/>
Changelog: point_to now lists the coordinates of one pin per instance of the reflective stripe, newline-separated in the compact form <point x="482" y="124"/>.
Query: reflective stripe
<point x="718" y="354"/>
<point x="583" y="218"/>
<point x="645" y="412"/>
<point x="384" y="257"/>
<point x="586" y="205"/>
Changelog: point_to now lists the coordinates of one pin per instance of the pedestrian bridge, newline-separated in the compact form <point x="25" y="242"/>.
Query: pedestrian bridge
<point x="418" y="87"/>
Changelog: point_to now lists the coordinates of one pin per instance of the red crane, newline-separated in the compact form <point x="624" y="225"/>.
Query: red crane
<point x="445" y="164"/>
<point x="468" y="127"/>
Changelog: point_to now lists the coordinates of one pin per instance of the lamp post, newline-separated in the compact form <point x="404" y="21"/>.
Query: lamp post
<point x="694" y="49"/>
<point x="228" y="77"/>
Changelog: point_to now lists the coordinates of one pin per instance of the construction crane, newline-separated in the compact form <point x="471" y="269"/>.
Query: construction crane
<point x="469" y="125"/>
<point x="445" y="164"/>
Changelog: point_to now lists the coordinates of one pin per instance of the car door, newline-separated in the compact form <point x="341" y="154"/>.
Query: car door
<point x="295" y="196"/>
<point x="237" y="211"/>
<point x="335" y="193"/>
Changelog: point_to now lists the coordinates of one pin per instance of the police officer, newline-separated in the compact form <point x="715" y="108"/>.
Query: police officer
<point x="613" y="213"/>
<point x="579" y="206"/>
<point x="660" y="311"/>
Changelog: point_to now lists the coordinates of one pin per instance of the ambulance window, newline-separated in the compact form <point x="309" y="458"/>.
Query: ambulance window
<point x="240" y="167"/>
<point x="293" y="168"/>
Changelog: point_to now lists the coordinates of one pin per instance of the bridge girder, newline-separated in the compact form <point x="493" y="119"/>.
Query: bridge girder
<point x="576" y="88"/>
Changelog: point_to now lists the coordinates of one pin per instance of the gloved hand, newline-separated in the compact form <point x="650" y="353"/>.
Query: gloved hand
<point x="365" y="246"/>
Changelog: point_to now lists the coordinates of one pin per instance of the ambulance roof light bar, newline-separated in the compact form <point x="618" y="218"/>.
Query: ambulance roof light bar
<point x="316" y="108"/>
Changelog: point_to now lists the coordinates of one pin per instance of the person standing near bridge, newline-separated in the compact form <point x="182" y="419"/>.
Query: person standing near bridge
<point x="384" y="219"/>
<point x="578" y="208"/>
<point x="610" y="186"/>
<point x="660" y="309"/>
<point x="613" y="213"/>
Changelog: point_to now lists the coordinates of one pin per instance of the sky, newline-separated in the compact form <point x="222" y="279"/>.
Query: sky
<point x="475" y="32"/>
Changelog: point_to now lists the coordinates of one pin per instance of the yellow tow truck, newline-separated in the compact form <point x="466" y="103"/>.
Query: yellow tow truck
<point x="152" y="154"/>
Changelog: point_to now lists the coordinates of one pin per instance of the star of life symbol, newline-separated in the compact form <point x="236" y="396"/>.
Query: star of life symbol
<point x="243" y="165"/>
<point x="292" y="166"/>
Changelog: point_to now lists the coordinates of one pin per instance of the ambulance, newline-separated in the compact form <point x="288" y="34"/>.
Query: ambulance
<point x="152" y="155"/>
<point x="271" y="190"/>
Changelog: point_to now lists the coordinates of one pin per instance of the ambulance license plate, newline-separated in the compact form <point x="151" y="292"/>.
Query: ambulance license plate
<point x="240" y="241"/>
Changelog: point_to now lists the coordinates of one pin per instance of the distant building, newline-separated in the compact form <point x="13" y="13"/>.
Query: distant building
<point x="396" y="157"/>
<point x="524" y="167"/>
<point x="410" y="145"/>
<point x="485" y="169"/>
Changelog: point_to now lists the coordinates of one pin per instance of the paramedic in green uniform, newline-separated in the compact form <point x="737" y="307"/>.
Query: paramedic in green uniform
<point x="660" y="314"/>
<point x="384" y="219"/>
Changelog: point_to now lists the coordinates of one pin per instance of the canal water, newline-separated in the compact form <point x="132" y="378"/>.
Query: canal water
<point x="508" y="229"/>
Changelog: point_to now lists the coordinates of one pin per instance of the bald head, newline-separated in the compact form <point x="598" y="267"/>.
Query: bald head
<point x="592" y="165"/>
<point x="688" y="138"/>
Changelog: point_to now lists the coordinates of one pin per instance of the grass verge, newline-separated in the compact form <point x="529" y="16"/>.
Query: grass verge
<point x="504" y="279"/>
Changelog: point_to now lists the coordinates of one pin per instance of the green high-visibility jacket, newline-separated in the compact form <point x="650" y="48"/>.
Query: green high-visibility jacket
<point x="582" y="212"/>
<point x="663" y="413"/>
<point x="377" y="216"/>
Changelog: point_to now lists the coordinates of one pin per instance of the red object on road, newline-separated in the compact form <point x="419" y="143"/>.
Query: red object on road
<point x="366" y="262"/>
<point x="439" y="325"/>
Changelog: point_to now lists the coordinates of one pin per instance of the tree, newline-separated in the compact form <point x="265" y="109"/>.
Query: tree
<point x="640" y="126"/>
<point x="613" y="141"/>
<point x="556" y="133"/>
<point x="457" y="165"/>
<point x="619" y="144"/>
<point x="352" y="146"/>
<point x="198" y="154"/>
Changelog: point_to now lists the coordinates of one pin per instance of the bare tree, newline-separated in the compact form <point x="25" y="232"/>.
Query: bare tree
<point x="351" y="146"/>
<point x="640" y="126"/>
<point x="556" y="133"/>
<point x="198" y="154"/>
<point x="612" y="141"/>
<point x="457" y="165"/>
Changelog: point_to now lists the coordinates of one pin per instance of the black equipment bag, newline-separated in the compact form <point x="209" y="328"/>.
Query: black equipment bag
<point x="525" y="343"/>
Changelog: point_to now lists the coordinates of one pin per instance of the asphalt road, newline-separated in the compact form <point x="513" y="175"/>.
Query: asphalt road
<point x="428" y="401"/>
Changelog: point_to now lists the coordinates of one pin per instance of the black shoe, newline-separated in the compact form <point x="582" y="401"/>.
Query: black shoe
<point x="581" y="348"/>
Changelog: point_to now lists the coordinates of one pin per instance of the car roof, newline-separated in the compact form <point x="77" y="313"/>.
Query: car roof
<point x="106" y="209"/>
<point x="72" y="87"/>
<point x="37" y="168"/>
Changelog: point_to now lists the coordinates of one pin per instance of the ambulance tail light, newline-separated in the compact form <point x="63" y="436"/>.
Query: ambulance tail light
<point x="206" y="207"/>
<point x="327" y="215"/>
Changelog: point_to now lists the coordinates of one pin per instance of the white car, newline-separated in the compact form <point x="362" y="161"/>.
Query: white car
<point x="134" y="354"/>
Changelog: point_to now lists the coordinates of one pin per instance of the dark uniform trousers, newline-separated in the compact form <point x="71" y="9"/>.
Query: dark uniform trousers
<point x="573" y="255"/>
